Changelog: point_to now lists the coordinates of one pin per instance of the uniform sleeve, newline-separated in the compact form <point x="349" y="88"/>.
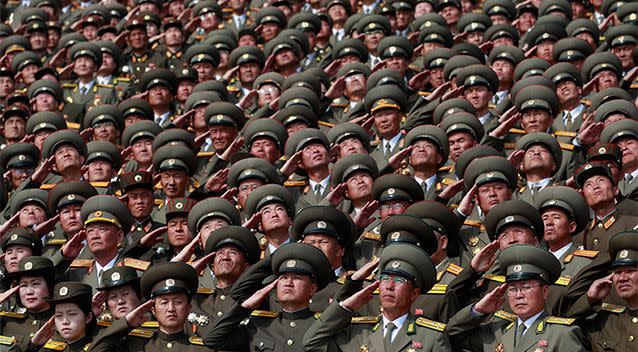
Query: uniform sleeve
<point x="332" y="324"/>
<point x="111" y="339"/>
<point x="228" y="332"/>
<point x="573" y="340"/>
<point x="464" y="330"/>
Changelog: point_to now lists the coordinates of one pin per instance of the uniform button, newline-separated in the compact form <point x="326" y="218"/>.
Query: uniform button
<point x="169" y="345"/>
<point x="293" y="324"/>
<point x="261" y="344"/>
<point x="600" y="225"/>
<point x="139" y="229"/>
<point x="222" y="297"/>
<point x="31" y="334"/>
<point x="634" y="320"/>
<point x="595" y="241"/>
<point x="289" y="342"/>
<point x="630" y="338"/>
<point x="220" y="313"/>
<point x="35" y="322"/>
<point x="310" y="301"/>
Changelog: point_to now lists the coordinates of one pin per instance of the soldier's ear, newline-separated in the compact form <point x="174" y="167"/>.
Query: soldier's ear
<point x="572" y="226"/>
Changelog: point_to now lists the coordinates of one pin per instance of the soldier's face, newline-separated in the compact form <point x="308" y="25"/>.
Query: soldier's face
<point x="245" y="188"/>
<point x="478" y="96"/>
<point x="178" y="235"/>
<point x="175" y="8"/>
<point x="625" y="279"/>
<point x="475" y="38"/>
<point x="67" y="156"/>
<point x="205" y="71"/>
<point x="606" y="79"/>
<point x="629" y="148"/>
<point x="396" y="297"/>
<point x="527" y="298"/>
<point x="625" y="54"/>
<point x="526" y="21"/>
<point x="209" y="21"/>
<point x="184" y="90"/>
<point x="515" y="234"/>
<point x="90" y="32"/>
<point x="499" y="19"/>
<point x="544" y="50"/>
<point x="359" y="186"/>
<point x="355" y="85"/>
<point x="54" y="37"/>
<point x="337" y="13"/>
<point x="45" y="102"/>
<point x="425" y="155"/>
<point x="106" y="131"/>
<point x="267" y="93"/>
<point x="238" y="5"/>
<point x="269" y="30"/>
<point x="295" y="290"/>
<point x="392" y="207"/>
<point x="451" y="14"/>
<point x="248" y="72"/>
<point x="329" y="246"/>
<point x="314" y="156"/>
<point x="558" y="227"/>
<point x="137" y="38"/>
<point x="14" y="128"/>
<point x="598" y="190"/>
<point x="28" y="73"/>
<point x="84" y="66"/>
<point x="159" y="95"/>
<point x="422" y="8"/>
<point x="567" y="91"/>
<point x="265" y="148"/>
<point x="274" y="217"/>
<point x="588" y="38"/>
<point x="13" y="254"/>
<point x="613" y="118"/>
<point x="578" y="9"/>
<point x="39" y="41"/>
<point x="504" y="70"/>
<point x="108" y="64"/>
<point x="40" y="136"/>
<point x="246" y="39"/>
<point x="460" y="142"/>
<point x="102" y="238"/>
<point x="229" y="263"/>
<point x="295" y="127"/>
<point x="18" y="175"/>
<point x="132" y="118"/>
<point x="171" y="311"/>
<point x="536" y="120"/>
<point x="285" y="58"/>
<point x="397" y="63"/>
<point x="140" y="202"/>
<point x="31" y="214"/>
<point x="6" y="86"/>
<point x="436" y="77"/>
<point x="351" y="145"/>
<point x="538" y="158"/>
<point x="100" y="170"/>
<point x="32" y="292"/>
<point x="70" y="321"/>
<point x="70" y="220"/>
<point x="208" y="227"/>
<point x="492" y="193"/>
<point x="404" y="17"/>
<point x="174" y="183"/>
<point x="387" y="122"/>
<point x="142" y="150"/>
<point x="121" y="300"/>
<point x="222" y="136"/>
<point x="372" y="39"/>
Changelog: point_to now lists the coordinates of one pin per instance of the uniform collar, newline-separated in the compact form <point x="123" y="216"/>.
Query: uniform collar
<point x="300" y="314"/>
<point x="172" y="337"/>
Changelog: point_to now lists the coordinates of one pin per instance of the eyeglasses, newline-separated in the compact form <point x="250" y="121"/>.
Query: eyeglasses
<point x="319" y="243"/>
<point x="396" y="206"/>
<point x="525" y="289"/>
<point x="397" y="279"/>
<point x="357" y="76"/>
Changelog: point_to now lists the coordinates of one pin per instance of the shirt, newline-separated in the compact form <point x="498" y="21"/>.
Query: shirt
<point x="542" y="184"/>
<point x="484" y="118"/>
<point x="429" y="181"/>
<point x="161" y="119"/>
<point x="339" y="33"/>
<point x="577" y="111"/>
<point x="393" y="142"/>
<point x="88" y="86"/>
<point x="101" y="269"/>
<point x="272" y="249"/>
<point x="324" y="184"/>
<point x="559" y="253"/>
<point x="104" y="79"/>
<point x="398" y="322"/>
<point x="239" y="20"/>
<point x="529" y="322"/>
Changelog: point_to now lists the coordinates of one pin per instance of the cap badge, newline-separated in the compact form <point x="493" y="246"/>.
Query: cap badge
<point x="517" y="268"/>
<point x="570" y="52"/>
<point x="247" y="172"/>
<point x="321" y="224"/>
<point x="530" y="102"/>
<point x="170" y="282"/>
<point x="171" y="161"/>
<point x="21" y="157"/>
<point x="269" y="197"/>
<point x="434" y="36"/>
<point x="43" y="124"/>
<point x="64" y="291"/>
<point x="219" y="117"/>
<point x="14" y="237"/>
<point x="179" y="206"/>
<point x="602" y="150"/>
<point x="509" y="219"/>
<point x="392" y="49"/>
<point x="395" y="235"/>
<point x="453" y="127"/>
<point x="291" y="263"/>
<point x="438" y="61"/>
<point x="70" y="197"/>
<point x="621" y="38"/>
<point x="138" y="178"/>
<point x="201" y="56"/>
<point x="391" y="191"/>
<point x="28" y="266"/>
<point x="450" y="111"/>
<point x="489" y="175"/>
<point x="245" y="56"/>
<point x="623" y="254"/>
<point x="472" y="79"/>
<point x="552" y="202"/>
<point x="395" y="264"/>
<point x="115" y="276"/>
<point x="545" y="35"/>
<point x="588" y="166"/>
<point x="98" y="213"/>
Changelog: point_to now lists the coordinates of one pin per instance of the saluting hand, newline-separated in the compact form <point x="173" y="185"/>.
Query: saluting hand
<point x="253" y="302"/>
<point x="138" y="316"/>
<point x="492" y="301"/>
<point x="359" y="299"/>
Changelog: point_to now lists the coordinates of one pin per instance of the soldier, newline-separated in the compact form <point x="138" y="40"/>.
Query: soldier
<point x="266" y="139"/>
<point x="249" y="61"/>
<point x="68" y="150"/>
<point x="625" y="135"/>
<point x="385" y="105"/>
<point x="106" y="121"/>
<point x="25" y="243"/>
<point x="41" y="124"/>
<point x="351" y="89"/>
<point x="405" y="272"/>
<point x="49" y="96"/>
<point x="464" y="131"/>
<point x="569" y="85"/>
<point x="210" y="15"/>
<point x="14" y="121"/>
<point x="102" y="165"/>
<point x="605" y="67"/>
<point x="247" y="175"/>
<point x="204" y="58"/>
<point x="139" y="138"/>
<point x="20" y="159"/>
<point x="310" y="25"/>
<point x="118" y="295"/>
<point x="351" y="139"/>
<point x="160" y="86"/>
<point x="503" y="60"/>
<point x="480" y="84"/>
<point x="30" y="207"/>
<point x="26" y="64"/>
<point x="530" y="270"/>
<point x="274" y="209"/>
<point x="177" y="236"/>
<point x="136" y="60"/>
<point x="287" y="55"/>
<point x="134" y="110"/>
<point x="170" y="55"/>
<point x="175" y="164"/>
<point x="541" y="160"/>
<point x="87" y="59"/>
<point x="299" y="271"/>
<point x="106" y="74"/>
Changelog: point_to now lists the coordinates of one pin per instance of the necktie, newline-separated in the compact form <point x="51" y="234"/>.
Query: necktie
<point x="387" y="340"/>
<point x="158" y="120"/>
<point x="318" y="191"/>
<point x="424" y="185"/>
<point x="568" y="122"/>
<point x="99" y="277"/>
<point x="535" y="189"/>
<point x="84" y="90"/>
<point x="388" y="152"/>
<point x="629" y="178"/>
<point x="520" y="330"/>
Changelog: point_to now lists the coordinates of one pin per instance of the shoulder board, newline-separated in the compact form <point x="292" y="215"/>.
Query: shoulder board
<point x="505" y="315"/>
<point x="7" y="340"/>
<point x="73" y="125"/>
<point x="491" y="106"/>
<point x="438" y="289"/>
<point x="566" y="146"/>
<point x="522" y="189"/>
<point x="509" y="145"/>
<point x="104" y="323"/>
<point x="147" y="334"/>
<point x="614" y="308"/>
<point x="205" y="154"/>
<point x="414" y="67"/>
<point x="56" y="242"/>
<point x="159" y="202"/>
<point x="494" y="277"/>
<point x="565" y="134"/>
<point x="634" y="86"/>
<point x="454" y="269"/>
<point x="264" y="314"/>
<point x="55" y="345"/>
<point x="232" y="88"/>
<point x="446" y="168"/>
<point x="586" y="253"/>
<point x="69" y="85"/>
<point x="423" y="94"/>
<point x="562" y="321"/>
<point x="337" y="105"/>
<point x="122" y="79"/>
<point x="448" y="181"/>
<point x="204" y="291"/>
<point x="12" y="315"/>
<point x="317" y="315"/>
<point x="586" y="102"/>
<point x="47" y="186"/>
<point x="104" y="85"/>
<point x="474" y="223"/>
<point x="563" y="280"/>
<point x="326" y="124"/>
<point x="569" y="258"/>
<point x="372" y="236"/>
<point x="82" y="263"/>
<point x="196" y="341"/>
<point x="517" y="131"/>
<point x="294" y="183"/>
<point x="372" y="319"/>
<point x="136" y="264"/>
<point x="100" y="184"/>
<point x="434" y="325"/>
<point x="150" y="324"/>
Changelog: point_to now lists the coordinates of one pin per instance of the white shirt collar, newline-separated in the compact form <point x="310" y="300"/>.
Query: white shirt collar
<point x="528" y="323"/>
<point x="163" y="117"/>
<point x="272" y="249"/>
<point x="338" y="271"/>
<point x="577" y="110"/>
<point x="324" y="184"/>
<point x="634" y="174"/>
<point x="88" y="85"/>
<point x="559" y="253"/>
<point x="398" y="322"/>
<point x="484" y="118"/>
<point x="393" y="142"/>
<point x="542" y="183"/>
<point x="101" y="269"/>
<point x="429" y="181"/>
<point x="104" y="79"/>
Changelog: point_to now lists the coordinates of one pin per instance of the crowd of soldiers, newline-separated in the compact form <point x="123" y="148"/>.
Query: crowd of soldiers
<point x="323" y="175"/>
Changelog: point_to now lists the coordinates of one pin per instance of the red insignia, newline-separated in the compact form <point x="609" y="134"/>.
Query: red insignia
<point x="542" y="343"/>
<point x="418" y="311"/>
<point x="417" y="344"/>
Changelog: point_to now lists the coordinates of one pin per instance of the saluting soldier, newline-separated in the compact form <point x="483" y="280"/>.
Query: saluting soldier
<point x="20" y="159"/>
<point x="542" y="157"/>
<point x="161" y="86"/>
<point x="137" y="58"/>
<point x="176" y="164"/>
<point x="247" y="175"/>
<point x="87" y="59"/>
<point x="352" y="89"/>
<point x="139" y="138"/>
<point x="25" y="243"/>
<point x="118" y="295"/>
<point x="624" y="134"/>
<point x="480" y="83"/>
<point x="102" y="165"/>
<point x="107" y="73"/>
<point x="249" y="61"/>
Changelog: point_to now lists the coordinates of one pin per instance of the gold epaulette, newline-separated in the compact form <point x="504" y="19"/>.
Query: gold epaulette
<point x="522" y="189"/>
<point x="505" y="315"/>
<point x="205" y="154"/>
<point x="100" y="183"/>
<point x="634" y="86"/>
<point x="105" y="85"/>
<point x="338" y="105"/>
<point x="562" y="321"/>
<point x="147" y="334"/>
<point x="586" y="253"/>
<point x="294" y="183"/>
<point x="446" y="168"/>
<point x="448" y="181"/>
<point x="517" y="131"/>
<point x="372" y="319"/>
<point x="7" y="340"/>
<point x="55" y="345"/>
<point x="104" y="323"/>
<point x="150" y="324"/>
<point x="56" y="242"/>
<point x="438" y="289"/>
<point x="196" y="341"/>
<point x="12" y="315"/>
<point x="563" y="280"/>
<point x="73" y="125"/>
<point x="494" y="277"/>
<point x="474" y="223"/>
<point x="136" y="263"/>
<point x="431" y="324"/>
<point x="414" y="67"/>
<point x="264" y="314"/>
<point x="422" y="93"/>
<point x="569" y="258"/>
<point x="159" y="202"/>
<point x="586" y="102"/>
<point x="454" y="269"/>
<point x="614" y="308"/>
<point x="47" y="186"/>
<point x="317" y="315"/>
<point x="566" y="146"/>
<point x="82" y="263"/>
<point x="371" y="236"/>
<point x="325" y="124"/>
<point x="204" y="291"/>
<point x="69" y="85"/>
<point x="565" y="134"/>
<point x="122" y="79"/>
